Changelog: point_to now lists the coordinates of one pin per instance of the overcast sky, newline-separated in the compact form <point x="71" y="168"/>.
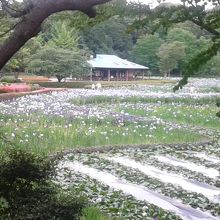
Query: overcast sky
<point x="154" y="3"/>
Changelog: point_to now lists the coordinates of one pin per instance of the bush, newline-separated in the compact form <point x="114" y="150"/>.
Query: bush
<point x="34" y="86"/>
<point x="10" y="79"/>
<point x="27" y="192"/>
<point x="82" y="84"/>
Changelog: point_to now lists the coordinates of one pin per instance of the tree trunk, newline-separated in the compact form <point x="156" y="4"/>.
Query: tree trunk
<point x="59" y="78"/>
<point x="32" y="20"/>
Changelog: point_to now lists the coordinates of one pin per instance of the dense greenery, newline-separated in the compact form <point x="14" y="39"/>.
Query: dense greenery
<point x="27" y="192"/>
<point x="112" y="32"/>
<point x="60" y="56"/>
<point x="145" y="52"/>
<point x="166" y="15"/>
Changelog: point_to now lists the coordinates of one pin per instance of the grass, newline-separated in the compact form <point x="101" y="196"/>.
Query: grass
<point x="87" y="84"/>
<point x="213" y="89"/>
<point x="101" y="99"/>
<point x="92" y="213"/>
<point x="197" y="116"/>
<point x="44" y="135"/>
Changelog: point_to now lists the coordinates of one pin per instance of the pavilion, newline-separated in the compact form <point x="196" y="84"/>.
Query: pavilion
<point x="111" y="67"/>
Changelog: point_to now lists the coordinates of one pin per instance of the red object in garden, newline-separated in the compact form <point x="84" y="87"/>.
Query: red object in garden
<point x="15" y="88"/>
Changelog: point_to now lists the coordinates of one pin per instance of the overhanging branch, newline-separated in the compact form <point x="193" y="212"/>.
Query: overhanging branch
<point x="33" y="14"/>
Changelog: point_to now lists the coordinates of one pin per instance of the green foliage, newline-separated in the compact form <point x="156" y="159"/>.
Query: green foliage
<point x="218" y="105"/>
<point x="26" y="190"/>
<point x="19" y="61"/>
<point x="170" y="54"/>
<point x="145" y="52"/>
<point x="195" y="64"/>
<point x="108" y="37"/>
<point x="106" y="11"/>
<point x="10" y="79"/>
<point x="61" y="56"/>
<point x="188" y="39"/>
<point x="165" y="15"/>
<point x="62" y="36"/>
<point x="80" y="84"/>
<point x="58" y="62"/>
<point x="212" y="68"/>
<point x="92" y="213"/>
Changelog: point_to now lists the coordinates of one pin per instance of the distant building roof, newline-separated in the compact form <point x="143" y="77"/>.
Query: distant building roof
<point x="113" y="62"/>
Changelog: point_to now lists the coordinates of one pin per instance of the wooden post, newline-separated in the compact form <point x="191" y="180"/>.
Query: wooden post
<point x="91" y="74"/>
<point x="126" y="75"/>
<point x="117" y="73"/>
<point x="142" y="74"/>
<point x="109" y="74"/>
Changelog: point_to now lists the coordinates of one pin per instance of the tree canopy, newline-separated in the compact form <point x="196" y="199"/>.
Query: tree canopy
<point x="29" y="15"/>
<point x="145" y="52"/>
<point x="61" y="55"/>
<point x="170" y="54"/>
<point x="195" y="11"/>
<point x="122" y="29"/>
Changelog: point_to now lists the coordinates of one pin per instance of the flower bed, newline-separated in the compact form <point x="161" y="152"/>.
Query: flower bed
<point x="114" y="180"/>
<point x="21" y="87"/>
<point x="135" y="182"/>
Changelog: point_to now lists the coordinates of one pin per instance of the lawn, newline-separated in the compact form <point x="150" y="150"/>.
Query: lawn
<point x="44" y="135"/>
<point x="203" y="116"/>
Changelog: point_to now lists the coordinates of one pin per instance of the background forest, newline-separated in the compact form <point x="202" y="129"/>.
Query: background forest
<point x="73" y="36"/>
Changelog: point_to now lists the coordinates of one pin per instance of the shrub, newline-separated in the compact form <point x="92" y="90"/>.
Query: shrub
<point x="82" y="84"/>
<point x="34" y="86"/>
<point x="27" y="192"/>
<point x="10" y="79"/>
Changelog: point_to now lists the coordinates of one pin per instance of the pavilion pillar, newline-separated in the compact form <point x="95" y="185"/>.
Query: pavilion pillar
<point x="117" y="75"/>
<point x="91" y="75"/>
<point x="109" y="74"/>
<point x="142" y="74"/>
<point x="126" y="75"/>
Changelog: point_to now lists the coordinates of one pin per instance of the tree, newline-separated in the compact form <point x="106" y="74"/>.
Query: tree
<point x="145" y="52"/>
<point x="30" y="15"/>
<point x="27" y="190"/>
<point x="63" y="36"/>
<point x="194" y="11"/>
<point x="60" y="56"/>
<point x="212" y="68"/>
<point x="59" y="62"/>
<point x="19" y="61"/>
<point x="193" y="45"/>
<point x="187" y="38"/>
<point x="109" y="37"/>
<point x="170" y="54"/>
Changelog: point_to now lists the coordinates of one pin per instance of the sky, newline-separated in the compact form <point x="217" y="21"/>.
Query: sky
<point x="154" y="3"/>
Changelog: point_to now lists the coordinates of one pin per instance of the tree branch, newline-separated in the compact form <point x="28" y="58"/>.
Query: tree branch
<point x="34" y="16"/>
<point x="15" y="13"/>
<point x="9" y="30"/>
<point x="205" y="27"/>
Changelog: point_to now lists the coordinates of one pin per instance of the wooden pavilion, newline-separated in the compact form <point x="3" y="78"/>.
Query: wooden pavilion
<point x="111" y="67"/>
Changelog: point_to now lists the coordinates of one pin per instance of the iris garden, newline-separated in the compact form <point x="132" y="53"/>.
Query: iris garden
<point x="164" y="155"/>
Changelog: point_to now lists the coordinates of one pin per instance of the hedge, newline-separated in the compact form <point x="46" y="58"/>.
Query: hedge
<point x="79" y="84"/>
